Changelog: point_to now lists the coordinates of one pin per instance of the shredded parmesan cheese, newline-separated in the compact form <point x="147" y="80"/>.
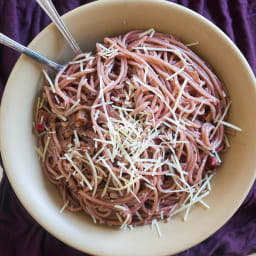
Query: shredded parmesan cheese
<point x="125" y="222"/>
<point x="49" y="81"/>
<point x="64" y="206"/>
<point x="150" y="32"/>
<point x="79" y="172"/>
<point x="155" y="223"/>
<point x="45" y="148"/>
<point x="231" y="126"/>
<point x="221" y="119"/>
<point x="192" y="44"/>
<point x="94" y="173"/>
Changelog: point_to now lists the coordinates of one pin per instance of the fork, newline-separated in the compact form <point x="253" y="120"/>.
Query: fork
<point x="5" y="40"/>
<point x="51" y="11"/>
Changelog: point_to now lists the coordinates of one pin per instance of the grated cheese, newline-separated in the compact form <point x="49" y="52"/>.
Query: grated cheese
<point x="106" y="186"/>
<point x="81" y="61"/>
<point x="103" y="141"/>
<point x="131" y="227"/>
<point x="76" y="140"/>
<point x="100" y="105"/>
<point x="93" y="218"/>
<point x="217" y="156"/>
<point x="197" y="111"/>
<point x="49" y="81"/>
<point x="231" y="126"/>
<point x="155" y="49"/>
<point x="175" y="74"/>
<point x="150" y="32"/>
<point x="71" y="78"/>
<point x="203" y="187"/>
<point x="107" y="53"/>
<point x="135" y="196"/>
<point x="69" y="175"/>
<point x="119" y="217"/>
<point x="180" y="94"/>
<point x="125" y="222"/>
<point x="227" y="141"/>
<point x="72" y="107"/>
<point x="121" y="208"/>
<point x="37" y="108"/>
<point x="155" y="223"/>
<point x="81" y="66"/>
<point x="98" y="153"/>
<point x="149" y="186"/>
<point x="64" y="206"/>
<point x="145" y="74"/>
<point x="186" y="213"/>
<point x="45" y="148"/>
<point x="190" y="204"/>
<point x="110" y="171"/>
<point x="130" y="183"/>
<point x="124" y="109"/>
<point x="138" y="215"/>
<point x="94" y="173"/>
<point x="78" y="171"/>
<point x="57" y="99"/>
<point x="204" y="204"/>
<point x="59" y="177"/>
<point x="39" y="152"/>
<point x="42" y="102"/>
<point x="192" y="44"/>
<point x="220" y="120"/>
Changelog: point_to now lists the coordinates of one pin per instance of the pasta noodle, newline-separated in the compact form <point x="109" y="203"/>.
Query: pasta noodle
<point x="131" y="134"/>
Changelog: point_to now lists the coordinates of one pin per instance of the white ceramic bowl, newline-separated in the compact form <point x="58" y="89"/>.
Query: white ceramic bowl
<point x="89" y="24"/>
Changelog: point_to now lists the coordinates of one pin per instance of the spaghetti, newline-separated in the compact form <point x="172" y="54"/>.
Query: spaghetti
<point x="131" y="135"/>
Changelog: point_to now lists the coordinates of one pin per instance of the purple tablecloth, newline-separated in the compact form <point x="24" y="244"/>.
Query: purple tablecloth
<point x="19" y="233"/>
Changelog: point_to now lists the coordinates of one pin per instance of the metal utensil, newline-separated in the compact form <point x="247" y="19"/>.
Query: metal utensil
<point x="5" y="40"/>
<point x="50" y="10"/>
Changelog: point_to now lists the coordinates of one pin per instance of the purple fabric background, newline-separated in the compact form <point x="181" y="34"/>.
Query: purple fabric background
<point x="20" y="235"/>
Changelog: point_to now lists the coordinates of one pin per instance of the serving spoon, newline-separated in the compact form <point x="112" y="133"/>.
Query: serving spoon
<point x="51" y="11"/>
<point x="5" y="40"/>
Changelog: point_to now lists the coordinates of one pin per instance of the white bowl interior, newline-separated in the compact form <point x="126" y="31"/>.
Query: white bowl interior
<point x="89" y="24"/>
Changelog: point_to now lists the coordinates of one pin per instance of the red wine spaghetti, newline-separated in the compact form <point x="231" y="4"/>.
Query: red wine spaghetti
<point x="132" y="134"/>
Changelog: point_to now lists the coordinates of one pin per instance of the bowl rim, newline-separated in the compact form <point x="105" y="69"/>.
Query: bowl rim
<point x="103" y="3"/>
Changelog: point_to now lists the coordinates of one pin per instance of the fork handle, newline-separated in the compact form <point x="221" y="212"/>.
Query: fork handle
<point x="50" y="10"/>
<point x="5" y="40"/>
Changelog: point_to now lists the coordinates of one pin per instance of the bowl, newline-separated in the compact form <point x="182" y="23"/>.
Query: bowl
<point x="90" y="24"/>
